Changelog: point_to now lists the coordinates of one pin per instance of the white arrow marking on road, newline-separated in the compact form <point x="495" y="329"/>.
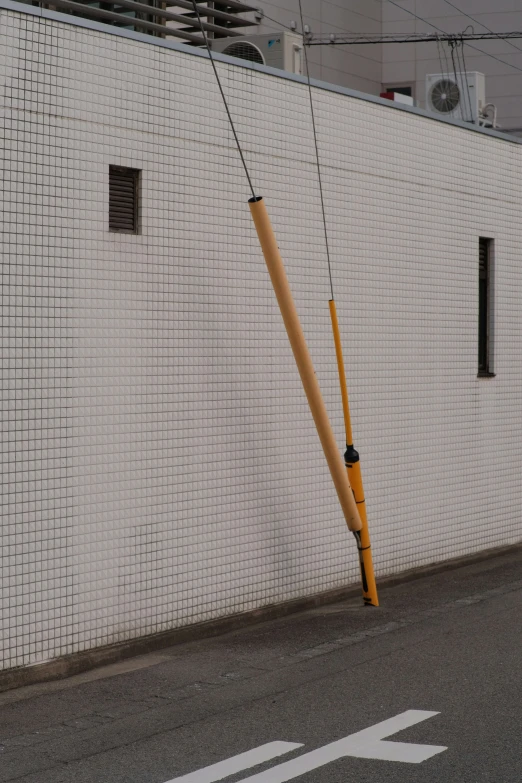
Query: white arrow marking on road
<point x="238" y="763"/>
<point x="366" y="744"/>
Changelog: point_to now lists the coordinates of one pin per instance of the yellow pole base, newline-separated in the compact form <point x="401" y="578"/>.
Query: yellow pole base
<point x="351" y="459"/>
<point x="369" y="586"/>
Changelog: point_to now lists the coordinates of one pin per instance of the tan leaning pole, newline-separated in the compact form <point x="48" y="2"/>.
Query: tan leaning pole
<point x="303" y="360"/>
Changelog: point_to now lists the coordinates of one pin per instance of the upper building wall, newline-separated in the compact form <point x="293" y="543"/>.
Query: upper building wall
<point x="358" y="67"/>
<point x="408" y="64"/>
<point x="374" y="67"/>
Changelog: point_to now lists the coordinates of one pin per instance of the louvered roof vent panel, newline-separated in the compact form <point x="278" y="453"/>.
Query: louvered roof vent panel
<point x="164" y="19"/>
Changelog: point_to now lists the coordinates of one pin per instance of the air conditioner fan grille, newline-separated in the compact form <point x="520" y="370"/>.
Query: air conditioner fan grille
<point x="245" y="51"/>
<point x="445" y="96"/>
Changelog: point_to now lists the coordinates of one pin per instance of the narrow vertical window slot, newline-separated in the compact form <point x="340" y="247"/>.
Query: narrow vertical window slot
<point x="484" y="321"/>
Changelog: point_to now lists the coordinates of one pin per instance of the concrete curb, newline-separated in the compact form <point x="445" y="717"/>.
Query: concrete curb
<point x="77" y="663"/>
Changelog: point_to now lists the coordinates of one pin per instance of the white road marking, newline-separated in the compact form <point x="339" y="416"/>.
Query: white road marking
<point x="238" y="763"/>
<point x="366" y="744"/>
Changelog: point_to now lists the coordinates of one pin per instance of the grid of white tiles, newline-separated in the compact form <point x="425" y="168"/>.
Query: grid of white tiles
<point x="160" y="464"/>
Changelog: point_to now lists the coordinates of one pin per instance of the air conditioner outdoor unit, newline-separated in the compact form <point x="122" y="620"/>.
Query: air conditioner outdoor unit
<point x="460" y="96"/>
<point x="279" y="50"/>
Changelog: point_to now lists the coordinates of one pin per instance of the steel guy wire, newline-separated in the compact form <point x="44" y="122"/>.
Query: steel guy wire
<point x="460" y="55"/>
<point x="446" y="59"/>
<point x="319" y="177"/>
<point x="205" y="37"/>
<point x="440" y="56"/>
<point x="452" y="47"/>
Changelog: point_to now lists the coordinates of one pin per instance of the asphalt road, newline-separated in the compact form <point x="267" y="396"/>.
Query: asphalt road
<point x="449" y="644"/>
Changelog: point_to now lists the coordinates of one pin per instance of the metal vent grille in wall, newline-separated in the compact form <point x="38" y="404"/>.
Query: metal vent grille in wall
<point x="123" y="199"/>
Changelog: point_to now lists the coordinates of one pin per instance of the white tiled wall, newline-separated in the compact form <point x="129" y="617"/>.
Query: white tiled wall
<point x="160" y="465"/>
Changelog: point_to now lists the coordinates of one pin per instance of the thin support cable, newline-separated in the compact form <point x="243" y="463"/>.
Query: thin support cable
<point x="464" y="83"/>
<point x="455" y="75"/>
<point x="440" y="55"/>
<point x="465" y="87"/>
<point x="317" y="154"/>
<point x="196" y="9"/>
<point x="464" y="70"/>
<point x="446" y="60"/>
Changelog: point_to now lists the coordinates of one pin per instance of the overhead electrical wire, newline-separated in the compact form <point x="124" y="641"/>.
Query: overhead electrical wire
<point x="487" y="54"/>
<point x="361" y="40"/>
<point x="499" y="35"/>
<point x="349" y="39"/>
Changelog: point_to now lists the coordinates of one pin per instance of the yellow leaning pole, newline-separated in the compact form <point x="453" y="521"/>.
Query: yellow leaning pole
<point x="303" y="360"/>
<point x="353" y="467"/>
